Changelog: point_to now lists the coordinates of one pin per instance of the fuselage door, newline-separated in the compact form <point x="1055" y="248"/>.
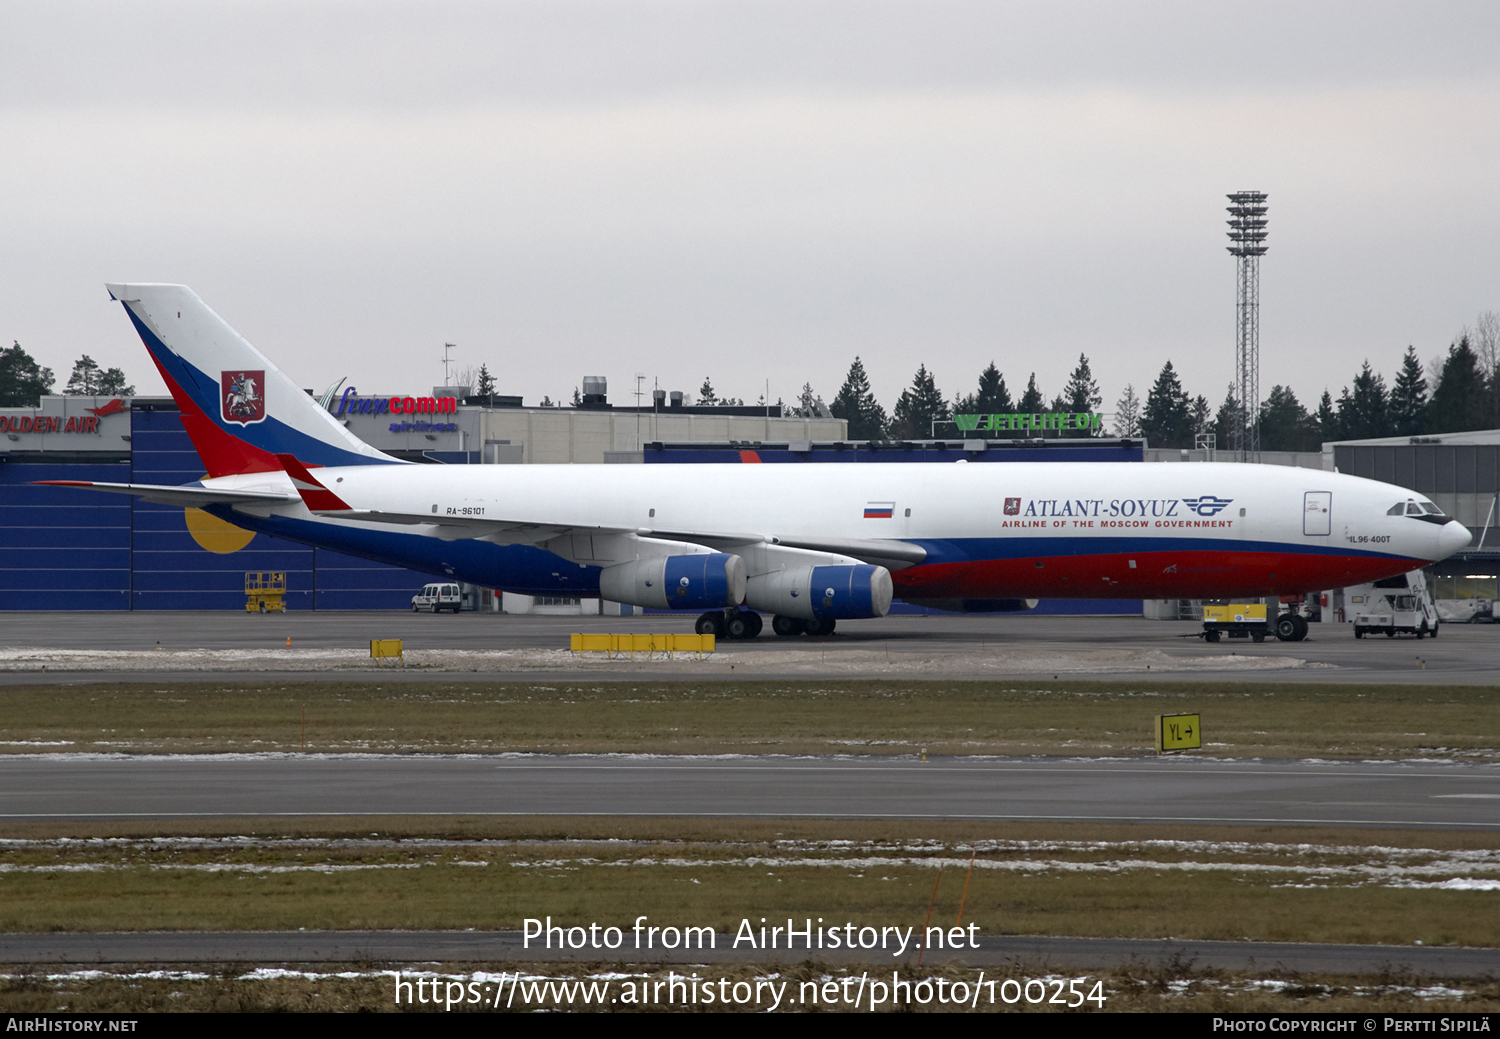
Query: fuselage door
<point x="1317" y="513"/>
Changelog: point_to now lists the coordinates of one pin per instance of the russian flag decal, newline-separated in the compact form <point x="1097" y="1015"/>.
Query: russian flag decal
<point x="880" y="510"/>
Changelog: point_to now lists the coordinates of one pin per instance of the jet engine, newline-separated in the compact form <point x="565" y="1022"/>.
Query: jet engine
<point x="696" y="582"/>
<point x="822" y="592"/>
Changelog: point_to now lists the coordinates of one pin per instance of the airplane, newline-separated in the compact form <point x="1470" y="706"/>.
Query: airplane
<point x="809" y="544"/>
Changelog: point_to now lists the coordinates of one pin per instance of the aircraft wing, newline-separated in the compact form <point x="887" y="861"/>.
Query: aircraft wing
<point x="458" y="528"/>
<point x="893" y="555"/>
<point x="582" y="542"/>
<point x="163" y="494"/>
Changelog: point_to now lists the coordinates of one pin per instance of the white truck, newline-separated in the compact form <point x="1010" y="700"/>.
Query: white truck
<point x="438" y="597"/>
<point x="1396" y="604"/>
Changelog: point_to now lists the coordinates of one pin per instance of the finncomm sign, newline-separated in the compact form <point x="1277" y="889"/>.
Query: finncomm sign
<point x="1045" y="421"/>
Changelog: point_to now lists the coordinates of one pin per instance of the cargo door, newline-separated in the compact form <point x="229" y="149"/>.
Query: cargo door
<point x="1317" y="513"/>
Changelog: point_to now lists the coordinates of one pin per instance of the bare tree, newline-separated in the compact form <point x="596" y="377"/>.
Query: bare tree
<point x="1128" y="414"/>
<point x="1484" y="337"/>
<point x="467" y="377"/>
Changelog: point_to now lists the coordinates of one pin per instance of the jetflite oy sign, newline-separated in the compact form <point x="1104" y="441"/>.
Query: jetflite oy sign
<point x="1048" y="421"/>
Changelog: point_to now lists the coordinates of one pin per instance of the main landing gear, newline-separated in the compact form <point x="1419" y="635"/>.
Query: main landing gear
<point x="1291" y="627"/>
<point x="746" y="624"/>
<point x="788" y="626"/>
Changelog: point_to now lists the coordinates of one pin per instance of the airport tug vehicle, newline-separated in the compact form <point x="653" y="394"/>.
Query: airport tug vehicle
<point x="1252" y="621"/>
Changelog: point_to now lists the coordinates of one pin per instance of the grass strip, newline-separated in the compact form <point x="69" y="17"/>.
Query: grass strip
<point x="1268" y="884"/>
<point x="685" y="717"/>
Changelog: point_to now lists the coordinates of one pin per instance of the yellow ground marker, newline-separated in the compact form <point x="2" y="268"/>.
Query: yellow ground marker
<point x="647" y="644"/>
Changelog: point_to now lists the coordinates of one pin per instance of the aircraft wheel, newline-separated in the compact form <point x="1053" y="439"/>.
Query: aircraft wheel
<point x="1301" y="623"/>
<point x="1286" y="628"/>
<point x="739" y="626"/>
<point x="711" y="623"/>
<point x="819" y="626"/>
<point x="1210" y="636"/>
<point x="786" y="626"/>
<point x="757" y="622"/>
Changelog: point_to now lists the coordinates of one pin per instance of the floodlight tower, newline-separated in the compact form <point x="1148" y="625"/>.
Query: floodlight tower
<point x="1247" y="244"/>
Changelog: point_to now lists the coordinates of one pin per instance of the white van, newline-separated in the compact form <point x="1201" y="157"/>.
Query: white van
<point x="437" y="597"/>
<point x="1396" y="604"/>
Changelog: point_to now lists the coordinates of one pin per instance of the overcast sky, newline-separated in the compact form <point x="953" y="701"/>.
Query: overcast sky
<point x="752" y="190"/>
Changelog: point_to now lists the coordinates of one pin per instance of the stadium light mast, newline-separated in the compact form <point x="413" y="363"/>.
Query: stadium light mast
<point x="1247" y="244"/>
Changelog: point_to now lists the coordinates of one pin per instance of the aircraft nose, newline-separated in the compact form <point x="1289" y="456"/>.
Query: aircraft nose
<point x="1453" y="537"/>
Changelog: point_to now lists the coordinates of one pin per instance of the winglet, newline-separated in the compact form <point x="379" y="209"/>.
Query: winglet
<point x="314" y="495"/>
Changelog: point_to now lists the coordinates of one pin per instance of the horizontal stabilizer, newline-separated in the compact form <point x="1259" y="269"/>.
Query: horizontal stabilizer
<point x="162" y="494"/>
<point x="315" y="496"/>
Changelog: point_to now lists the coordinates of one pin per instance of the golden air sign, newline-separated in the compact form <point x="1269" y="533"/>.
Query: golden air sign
<point x="49" y="424"/>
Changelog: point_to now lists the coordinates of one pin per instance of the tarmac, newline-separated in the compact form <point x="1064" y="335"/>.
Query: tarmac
<point x="167" y="646"/>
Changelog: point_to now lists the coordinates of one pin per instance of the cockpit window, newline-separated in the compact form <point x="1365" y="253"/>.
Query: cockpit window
<point x="1432" y="510"/>
<point x="1413" y="509"/>
<point x="1397" y="509"/>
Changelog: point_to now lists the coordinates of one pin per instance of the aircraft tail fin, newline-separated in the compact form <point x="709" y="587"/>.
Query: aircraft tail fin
<point x="239" y="409"/>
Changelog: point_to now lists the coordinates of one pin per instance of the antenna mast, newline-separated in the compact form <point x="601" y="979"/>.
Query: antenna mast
<point x="1247" y="244"/>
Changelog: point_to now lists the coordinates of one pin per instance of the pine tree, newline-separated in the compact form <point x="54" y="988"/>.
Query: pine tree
<point x="856" y="405"/>
<point x="1327" y="419"/>
<point x="1226" y="421"/>
<point x="1167" y="418"/>
<point x="1128" y="414"/>
<point x="706" y="396"/>
<point x="993" y="398"/>
<point x="23" y="382"/>
<point x="1365" y="412"/>
<point x="1409" y="397"/>
<point x="1458" y="401"/>
<point x="1201" y="419"/>
<point x="1081" y="395"/>
<point x="1031" y="401"/>
<point x="84" y="382"/>
<point x="919" y="406"/>
<point x="112" y="384"/>
<point x="485" y="384"/>
<point x="1285" y="424"/>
